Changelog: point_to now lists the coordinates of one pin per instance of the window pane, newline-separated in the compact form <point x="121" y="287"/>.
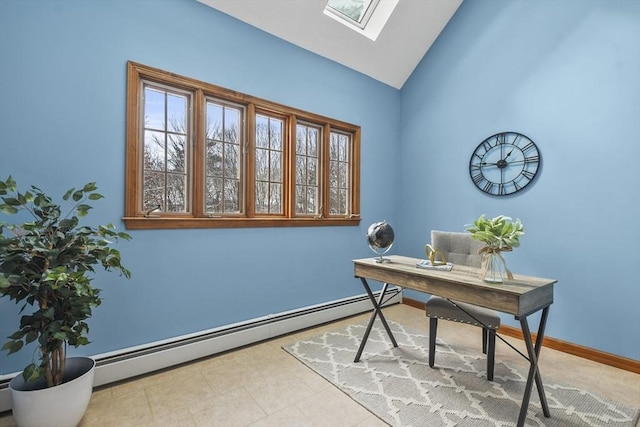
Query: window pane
<point x="214" y="121"/>
<point x="301" y="170"/>
<point x="354" y="9"/>
<point x="312" y="197"/>
<point x="153" y="108"/>
<point x="153" y="190"/>
<point x="312" y="142"/>
<point x="177" y="113"/>
<point x="312" y="171"/>
<point x="275" y="167"/>
<point x="154" y="150"/>
<point x="262" y="192"/>
<point x="342" y="202"/>
<point x="223" y="161"/>
<point x="166" y="154"/>
<point x="213" y="195"/>
<point x="334" y="202"/>
<point x="231" y="190"/>
<point x="262" y="163"/>
<point x="175" y="153"/>
<point x="268" y="164"/>
<point x="275" y="198"/>
<point x="306" y="169"/>
<point x="214" y="158"/>
<point x="231" y="125"/>
<point x="275" y="134"/>
<point x="232" y="161"/>
<point x="176" y="193"/>
<point x="355" y="12"/>
<point x="262" y="132"/>
<point x="339" y="167"/>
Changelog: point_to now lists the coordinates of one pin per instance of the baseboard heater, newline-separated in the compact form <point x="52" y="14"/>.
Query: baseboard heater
<point x="134" y="361"/>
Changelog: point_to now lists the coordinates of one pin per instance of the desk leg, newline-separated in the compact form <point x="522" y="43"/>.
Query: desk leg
<point x="534" y="372"/>
<point x="377" y="311"/>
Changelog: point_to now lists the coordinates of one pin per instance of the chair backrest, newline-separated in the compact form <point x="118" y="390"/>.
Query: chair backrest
<point x="458" y="248"/>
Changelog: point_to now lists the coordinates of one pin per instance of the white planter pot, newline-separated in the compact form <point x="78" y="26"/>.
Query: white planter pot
<point x="60" y="406"/>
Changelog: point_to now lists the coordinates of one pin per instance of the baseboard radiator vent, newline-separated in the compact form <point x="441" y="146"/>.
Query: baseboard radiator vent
<point x="134" y="361"/>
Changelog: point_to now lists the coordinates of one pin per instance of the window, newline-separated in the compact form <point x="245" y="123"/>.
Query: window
<point x="201" y="156"/>
<point x="223" y="158"/>
<point x="365" y="17"/>
<point x="356" y="12"/>
<point x="307" y="169"/>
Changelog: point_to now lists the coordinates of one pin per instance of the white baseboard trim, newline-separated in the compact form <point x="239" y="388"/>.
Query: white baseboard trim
<point x="134" y="361"/>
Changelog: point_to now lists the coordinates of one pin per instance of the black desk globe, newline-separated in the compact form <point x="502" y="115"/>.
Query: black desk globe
<point x="380" y="238"/>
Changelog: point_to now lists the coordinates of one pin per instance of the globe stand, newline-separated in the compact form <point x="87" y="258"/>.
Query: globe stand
<point x="380" y="252"/>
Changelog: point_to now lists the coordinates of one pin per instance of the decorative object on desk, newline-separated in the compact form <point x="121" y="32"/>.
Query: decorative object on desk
<point x="397" y="385"/>
<point x="47" y="262"/>
<point x="434" y="256"/>
<point x="425" y="263"/>
<point x="501" y="234"/>
<point x="380" y="238"/>
<point x="504" y="163"/>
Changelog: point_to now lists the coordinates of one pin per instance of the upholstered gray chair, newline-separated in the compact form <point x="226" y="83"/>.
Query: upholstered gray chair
<point x="460" y="248"/>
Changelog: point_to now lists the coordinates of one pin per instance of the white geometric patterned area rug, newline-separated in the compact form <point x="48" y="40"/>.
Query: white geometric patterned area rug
<point x="399" y="387"/>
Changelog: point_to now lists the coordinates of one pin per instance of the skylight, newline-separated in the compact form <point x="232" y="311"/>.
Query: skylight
<point x="357" y="12"/>
<point x="366" y="17"/>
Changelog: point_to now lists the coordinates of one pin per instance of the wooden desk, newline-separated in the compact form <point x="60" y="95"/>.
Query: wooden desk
<point x="520" y="297"/>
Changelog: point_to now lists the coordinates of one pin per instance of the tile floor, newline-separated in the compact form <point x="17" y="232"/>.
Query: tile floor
<point x="261" y="385"/>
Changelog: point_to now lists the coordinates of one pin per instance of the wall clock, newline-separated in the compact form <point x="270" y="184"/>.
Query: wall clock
<point x="504" y="163"/>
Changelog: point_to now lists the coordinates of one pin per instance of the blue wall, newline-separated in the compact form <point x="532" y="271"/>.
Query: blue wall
<point x="62" y="113"/>
<point x="566" y="74"/>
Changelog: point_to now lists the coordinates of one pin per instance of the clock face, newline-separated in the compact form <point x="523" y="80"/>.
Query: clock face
<point x="504" y="163"/>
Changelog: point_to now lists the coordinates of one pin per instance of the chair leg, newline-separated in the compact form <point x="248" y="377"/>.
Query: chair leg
<point x="491" y="355"/>
<point x="485" y="337"/>
<point x="433" y="328"/>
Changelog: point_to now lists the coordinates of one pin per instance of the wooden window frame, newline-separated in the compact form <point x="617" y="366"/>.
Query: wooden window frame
<point x="136" y="218"/>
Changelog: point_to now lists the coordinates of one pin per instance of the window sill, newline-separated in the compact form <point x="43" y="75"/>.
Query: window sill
<point x="146" y="223"/>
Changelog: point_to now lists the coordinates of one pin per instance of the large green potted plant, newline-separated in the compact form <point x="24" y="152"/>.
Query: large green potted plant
<point x="47" y="262"/>
<point x="499" y="234"/>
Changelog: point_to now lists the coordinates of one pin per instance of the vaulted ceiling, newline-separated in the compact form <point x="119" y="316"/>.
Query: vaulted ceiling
<point x="409" y="32"/>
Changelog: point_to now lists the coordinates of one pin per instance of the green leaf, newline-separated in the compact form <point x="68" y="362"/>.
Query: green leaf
<point x="9" y="210"/>
<point x="31" y="336"/>
<point x="95" y="196"/>
<point x="68" y="194"/>
<point x="89" y="187"/>
<point x="77" y="196"/>
<point x="61" y="336"/>
<point x="13" y="346"/>
<point x="32" y="373"/>
<point x="12" y="201"/>
<point x="83" y="210"/>
<point x="82" y="341"/>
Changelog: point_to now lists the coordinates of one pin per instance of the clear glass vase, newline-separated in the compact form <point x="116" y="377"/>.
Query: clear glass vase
<point x="494" y="269"/>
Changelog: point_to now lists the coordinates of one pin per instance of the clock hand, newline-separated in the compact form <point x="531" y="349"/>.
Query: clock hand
<point x="507" y="156"/>
<point x="502" y="163"/>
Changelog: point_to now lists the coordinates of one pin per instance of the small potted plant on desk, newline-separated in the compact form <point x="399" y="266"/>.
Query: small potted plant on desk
<point x="47" y="262"/>
<point x="500" y="234"/>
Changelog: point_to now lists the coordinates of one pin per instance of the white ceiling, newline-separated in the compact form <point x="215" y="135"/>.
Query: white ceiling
<point x="411" y="29"/>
